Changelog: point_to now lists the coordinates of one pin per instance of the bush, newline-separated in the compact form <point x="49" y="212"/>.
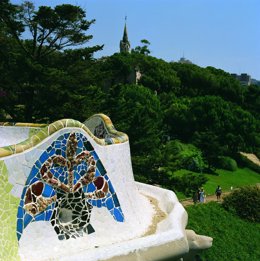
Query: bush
<point x="244" y="202"/>
<point x="226" y="163"/>
<point x="190" y="182"/>
<point x="178" y="155"/>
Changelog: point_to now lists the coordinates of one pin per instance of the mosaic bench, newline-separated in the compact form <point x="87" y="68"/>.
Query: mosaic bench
<point x="67" y="192"/>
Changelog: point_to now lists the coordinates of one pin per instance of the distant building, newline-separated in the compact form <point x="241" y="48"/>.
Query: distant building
<point x="255" y="82"/>
<point x="134" y="75"/>
<point x="244" y="78"/>
<point x="124" y="43"/>
<point x="184" y="60"/>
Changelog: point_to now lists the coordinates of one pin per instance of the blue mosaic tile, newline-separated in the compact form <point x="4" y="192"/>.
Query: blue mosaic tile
<point x="115" y="199"/>
<point x="80" y="144"/>
<point x="18" y="235"/>
<point x="33" y="173"/>
<point x="20" y="225"/>
<point x="94" y="154"/>
<point x="40" y="217"/>
<point x="99" y="203"/>
<point x="20" y="212"/>
<point x="112" y="212"/>
<point x="38" y="164"/>
<point x="44" y="157"/>
<point x="111" y="189"/>
<point x="51" y="152"/>
<point x="48" y="191"/>
<point x="66" y="136"/>
<point x="118" y="214"/>
<point x="57" y="145"/>
<point x="26" y="220"/>
<point x="110" y="203"/>
<point x="61" y="138"/>
<point x="58" y="152"/>
<point x="93" y="203"/>
<point x="51" y="187"/>
<point x="88" y="146"/>
<point x="48" y="214"/>
<point x="90" y="188"/>
<point x="97" y="174"/>
<point x="101" y="167"/>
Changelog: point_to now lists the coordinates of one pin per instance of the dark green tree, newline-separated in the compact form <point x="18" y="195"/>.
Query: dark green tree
<point x="217" y="127"/>
<point x="144" y="49"/>
<point x="51" y="29"/>
<point x="136" y="111"/>
<point x="43" y="80"/>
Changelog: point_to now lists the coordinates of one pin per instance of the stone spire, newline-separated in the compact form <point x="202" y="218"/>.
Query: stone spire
<point x="124" y="43"/>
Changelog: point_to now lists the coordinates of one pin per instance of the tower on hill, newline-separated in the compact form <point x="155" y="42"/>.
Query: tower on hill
<point x="124" y="43"/>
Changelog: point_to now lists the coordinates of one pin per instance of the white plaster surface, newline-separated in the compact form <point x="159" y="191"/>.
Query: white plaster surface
<point x="12" y="135"/>
<point x="111" y="238"/>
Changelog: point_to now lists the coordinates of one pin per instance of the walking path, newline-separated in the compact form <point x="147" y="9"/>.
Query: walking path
<point x="209" y="198"/>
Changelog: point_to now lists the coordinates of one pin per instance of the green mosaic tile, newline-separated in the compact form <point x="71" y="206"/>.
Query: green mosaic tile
<point x="33" y="131"/>
<point x="51" y="129"/>
<point x="8" y="212"/>
<point x="35" y="136"/>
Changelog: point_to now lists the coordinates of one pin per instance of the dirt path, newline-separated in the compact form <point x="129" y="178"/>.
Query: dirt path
<point x="209" y="198"/>
<point x="251" y="157"/>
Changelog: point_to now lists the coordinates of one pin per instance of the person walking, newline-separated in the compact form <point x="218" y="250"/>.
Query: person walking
<point x="202" y="195"/>
<point x="218" y="192"/>
<point x="195" y="197"/>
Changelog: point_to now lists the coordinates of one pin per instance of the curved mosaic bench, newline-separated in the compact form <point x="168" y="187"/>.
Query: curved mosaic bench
<point x="63" y="185"/>
<point x="67" y="192"/>
<point x="114" y="136"/>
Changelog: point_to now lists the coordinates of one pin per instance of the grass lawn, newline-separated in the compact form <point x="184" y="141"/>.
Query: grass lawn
<point x="233" y="238"/>
<point x="226" y="179"/>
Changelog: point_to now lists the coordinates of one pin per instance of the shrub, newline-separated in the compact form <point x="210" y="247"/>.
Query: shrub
<point x="178" y="155"/>
<point x="226" y="163"/>
<point x="244" y="202"/>
<point x="190" y="182"/>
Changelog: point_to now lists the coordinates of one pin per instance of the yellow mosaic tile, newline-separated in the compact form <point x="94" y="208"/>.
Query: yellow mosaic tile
<point x="47" y="130"/>
<point x="8" y="213"/>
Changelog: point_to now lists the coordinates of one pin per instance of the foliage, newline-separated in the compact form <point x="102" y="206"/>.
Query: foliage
<point x="226" y="163"/>
<point x="136" y="111"/>
<point x="157" y="74"/>
<point x="42" y="83"/>
<point x="144" y="49"/>
<point x="244" y="202"/>
<point x="178" y="155"/>
<point x="197" y="81"/>
<point x="190" y="182"/>
<point x="41" y="80"/>
<point x="233" y="238"/>
<point x="51" y="29"/>
<point x="226" y="179"/>
<point x="214" y="125"/>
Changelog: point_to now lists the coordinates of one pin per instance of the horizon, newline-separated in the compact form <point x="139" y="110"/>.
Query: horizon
<point x="222" y="34"/>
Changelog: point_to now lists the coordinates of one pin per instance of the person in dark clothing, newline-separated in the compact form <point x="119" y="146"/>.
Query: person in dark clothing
<point x="218" y="192"/>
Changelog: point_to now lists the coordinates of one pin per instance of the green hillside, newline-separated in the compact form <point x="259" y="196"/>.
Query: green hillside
<point x="177" y="116"/>
<point x="233" y="239"/>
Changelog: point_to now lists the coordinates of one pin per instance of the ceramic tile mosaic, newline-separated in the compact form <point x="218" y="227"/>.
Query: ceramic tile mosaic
<point x="113" y="136"/>
<point x="8" y="210"/>
<point x="64" y="184"/>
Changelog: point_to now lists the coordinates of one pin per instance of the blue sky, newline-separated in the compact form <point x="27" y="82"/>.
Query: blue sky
<point x="220" y="33"/>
